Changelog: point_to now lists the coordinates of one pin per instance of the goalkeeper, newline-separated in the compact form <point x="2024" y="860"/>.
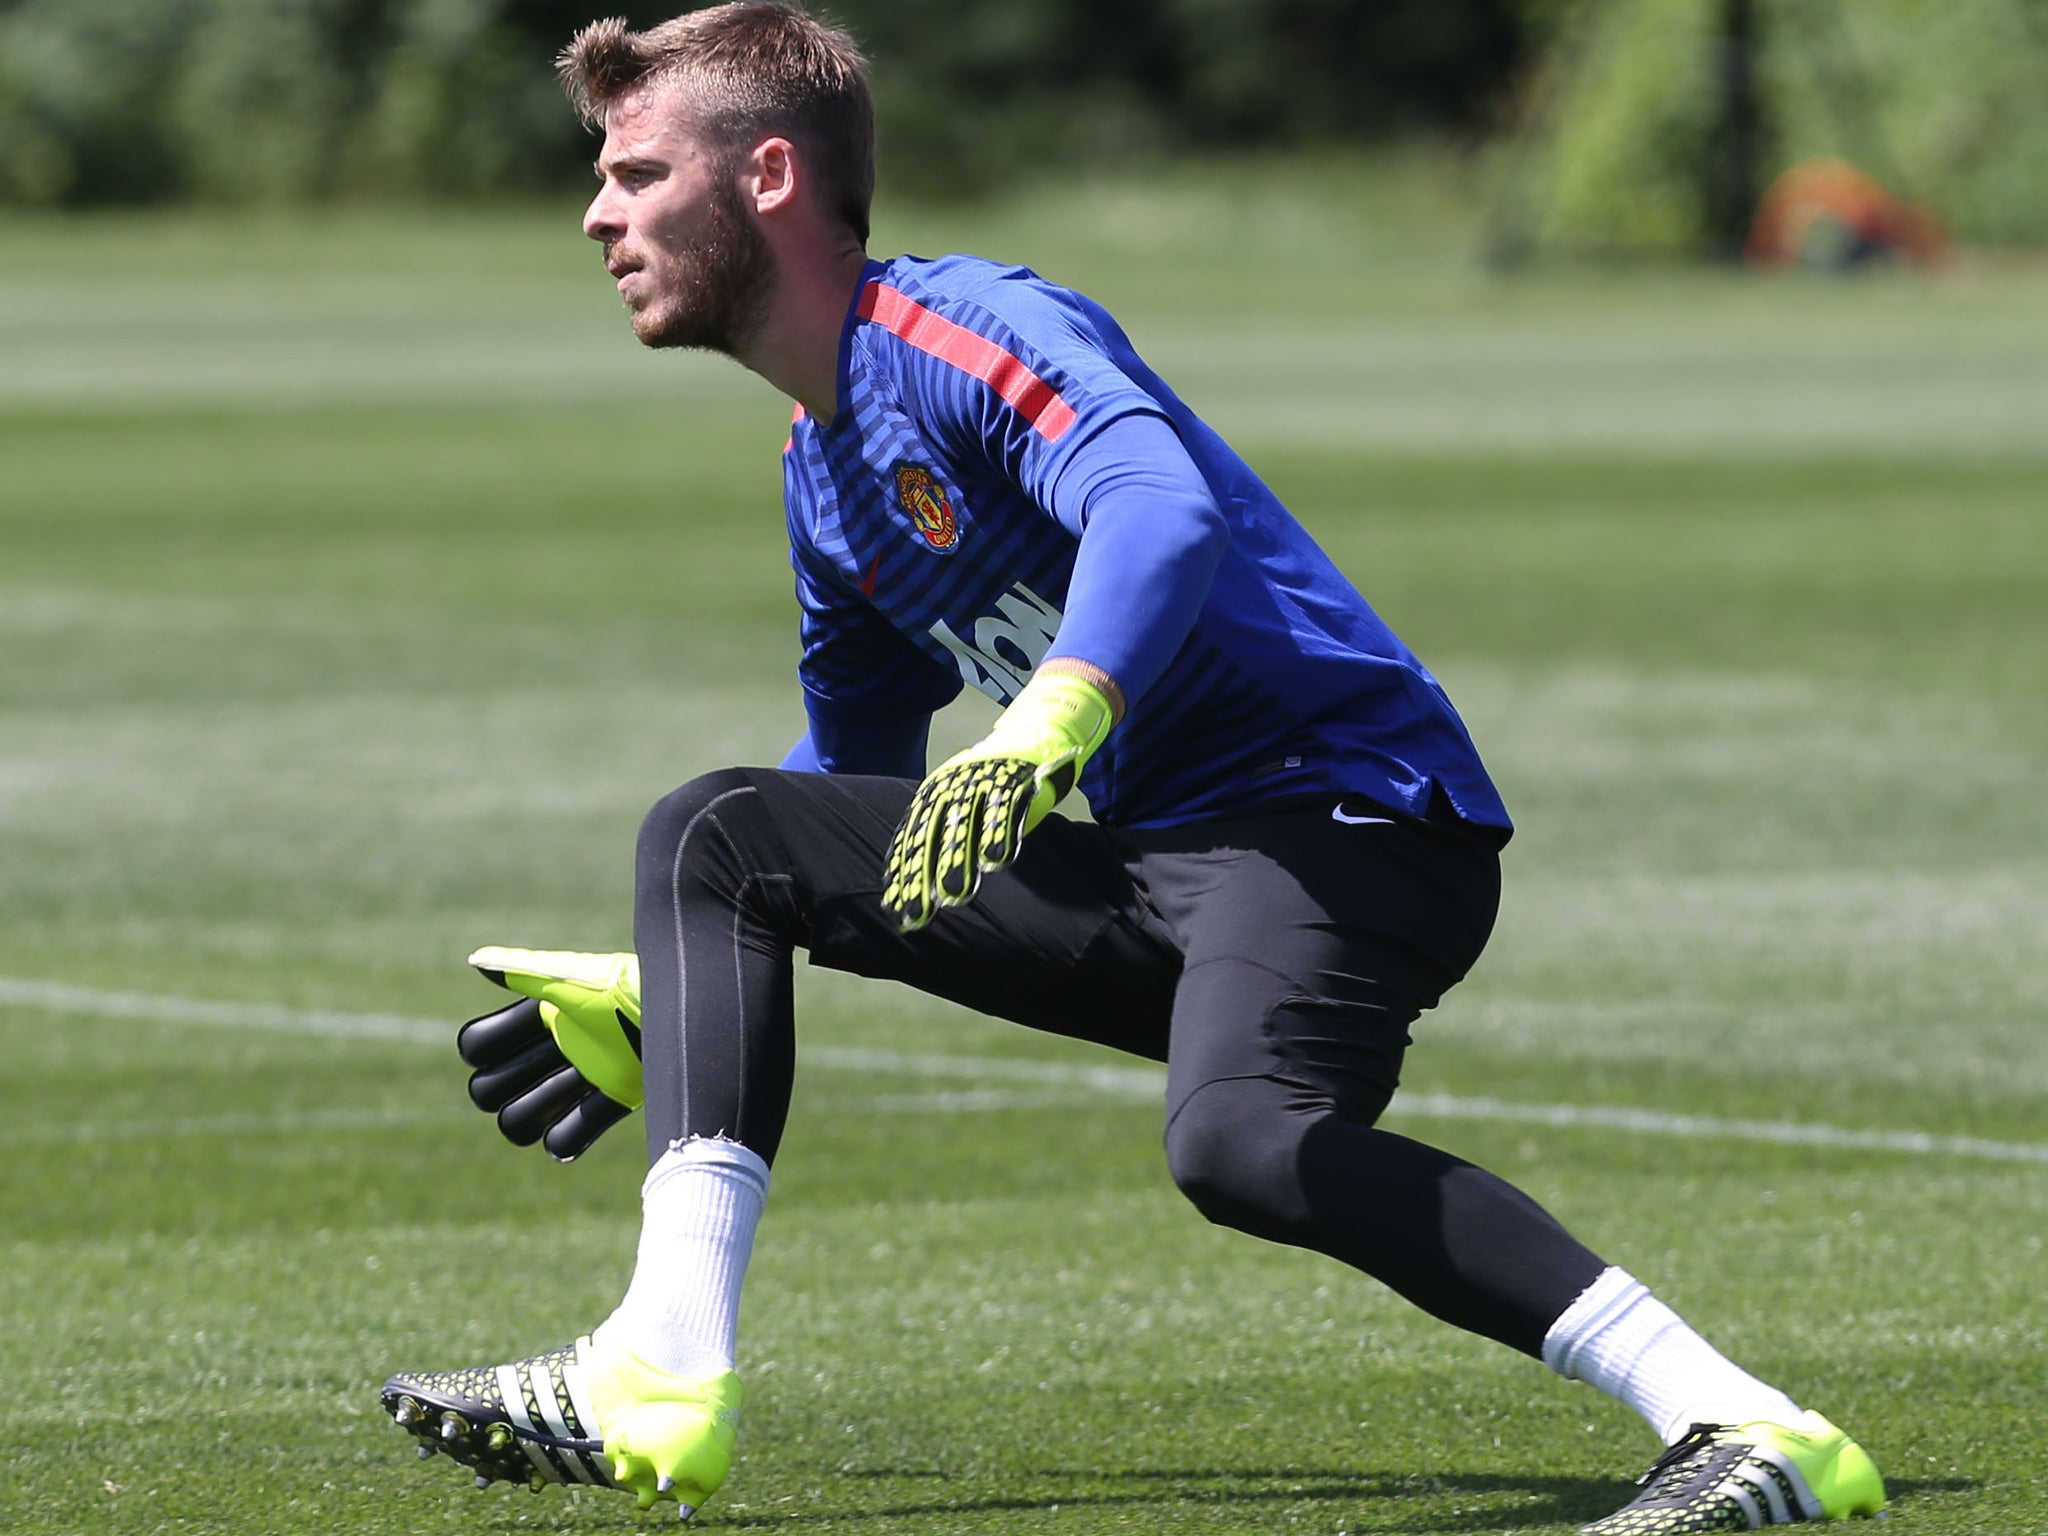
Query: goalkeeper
<point x="1294" y="851"/>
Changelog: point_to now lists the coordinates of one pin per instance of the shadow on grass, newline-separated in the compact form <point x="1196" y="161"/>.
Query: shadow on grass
<point x="1897" y="1488"/>
<point x="1498" y="1500"/>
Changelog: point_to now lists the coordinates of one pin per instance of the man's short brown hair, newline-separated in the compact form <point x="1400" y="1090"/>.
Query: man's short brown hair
<point x="750" y="68"/>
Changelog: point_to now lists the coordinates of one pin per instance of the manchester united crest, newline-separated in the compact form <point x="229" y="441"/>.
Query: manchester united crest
<point x="925" y="500"/>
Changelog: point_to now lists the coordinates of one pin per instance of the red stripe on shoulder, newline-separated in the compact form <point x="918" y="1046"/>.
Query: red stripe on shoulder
<point x="999" y="368"/>
<point x="795" y="416"/>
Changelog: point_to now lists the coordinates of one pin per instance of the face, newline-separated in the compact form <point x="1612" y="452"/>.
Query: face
<point x="692" y="267"/>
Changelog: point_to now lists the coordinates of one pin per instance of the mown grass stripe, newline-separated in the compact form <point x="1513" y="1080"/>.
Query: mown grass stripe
<point x="188" y="1127"/>
<point x="1136" y="1083"/>
<point x="298" y="1122"/>
<point x="61" y="997"/>
<point x="1654" y="1122"/>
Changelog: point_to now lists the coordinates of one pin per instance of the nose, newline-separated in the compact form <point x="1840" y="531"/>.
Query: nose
<point x="602" y="220"/>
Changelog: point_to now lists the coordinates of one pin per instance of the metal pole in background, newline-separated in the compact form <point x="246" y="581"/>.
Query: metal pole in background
<point x="1735" y="173"/>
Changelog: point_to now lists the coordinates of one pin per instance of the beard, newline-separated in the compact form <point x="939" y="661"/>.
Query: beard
<point x="723" y="279"/>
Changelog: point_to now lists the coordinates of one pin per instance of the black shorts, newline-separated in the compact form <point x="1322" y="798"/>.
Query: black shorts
<point x="1297" y="943"/>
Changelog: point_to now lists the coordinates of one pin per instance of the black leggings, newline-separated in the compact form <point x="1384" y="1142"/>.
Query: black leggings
<point x="1274" y="962"/>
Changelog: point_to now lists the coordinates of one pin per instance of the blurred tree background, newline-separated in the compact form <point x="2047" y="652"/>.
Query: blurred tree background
<point x="1945" y="101"/>
<point x="107" y="102"/>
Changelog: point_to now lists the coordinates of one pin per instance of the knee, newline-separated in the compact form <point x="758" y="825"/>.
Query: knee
<point x="712" y="832"/>
<point x="1233" y="1147"/>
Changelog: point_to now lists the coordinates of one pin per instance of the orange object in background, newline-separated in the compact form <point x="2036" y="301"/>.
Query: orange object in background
<point x="1827" y="213"/>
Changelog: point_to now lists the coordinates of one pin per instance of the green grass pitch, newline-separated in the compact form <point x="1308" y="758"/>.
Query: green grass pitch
<point x="361" y="583"/>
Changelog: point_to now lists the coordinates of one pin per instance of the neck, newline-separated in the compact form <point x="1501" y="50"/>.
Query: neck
<point x="797" y="346"/>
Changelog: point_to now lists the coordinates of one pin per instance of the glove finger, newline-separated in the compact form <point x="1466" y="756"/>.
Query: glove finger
<point x="523" y="1120"/>
<point x="1000" y="837"/>
<point x="959" y="871"/>
<point x="912" y="909"/>
<point x="563" y="976"/>
<point x="587" y="1119"/>
<point x="492" y="1088"/>
<point x="954" y="874"/>
<point x="496" y="1037"/>
<point x="907" y="867"/>
<point x="895" y="864"/>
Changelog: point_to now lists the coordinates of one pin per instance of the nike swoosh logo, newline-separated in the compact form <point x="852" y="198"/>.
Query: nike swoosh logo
<point x="867" y="582"/>
<point x="1337" y="813"/>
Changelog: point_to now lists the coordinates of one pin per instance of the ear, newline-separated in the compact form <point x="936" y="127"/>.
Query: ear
<point x="772" y="177"/>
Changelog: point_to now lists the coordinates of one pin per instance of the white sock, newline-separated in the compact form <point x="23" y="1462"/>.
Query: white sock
<point x="1641" y="1353"/>
<point x="699" y="1207"/>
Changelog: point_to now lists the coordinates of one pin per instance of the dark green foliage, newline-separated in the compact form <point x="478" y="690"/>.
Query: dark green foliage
<point x="970" y="91"/>
<point x="124" y="101"/>
<point x="83" y="86"/>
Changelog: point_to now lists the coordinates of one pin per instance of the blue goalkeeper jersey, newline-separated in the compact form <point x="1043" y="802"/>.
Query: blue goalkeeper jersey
<point x="934" y="539"/>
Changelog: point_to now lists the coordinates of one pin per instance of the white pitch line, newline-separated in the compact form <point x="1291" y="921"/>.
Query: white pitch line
<point x="1130" y="1083"/>
<point x="291" y="1123"/>
<point x="59" y="997"/>
<point x="78" y="1133"/>
<point x="1654" y="1122"/>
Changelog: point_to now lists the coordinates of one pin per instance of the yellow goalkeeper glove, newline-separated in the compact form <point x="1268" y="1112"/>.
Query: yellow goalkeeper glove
<point x="562" y="1065"/>
<point x="970" y="814"/>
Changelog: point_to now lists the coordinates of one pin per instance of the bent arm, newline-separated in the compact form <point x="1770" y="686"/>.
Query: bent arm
<point x="1152" y="536"/>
